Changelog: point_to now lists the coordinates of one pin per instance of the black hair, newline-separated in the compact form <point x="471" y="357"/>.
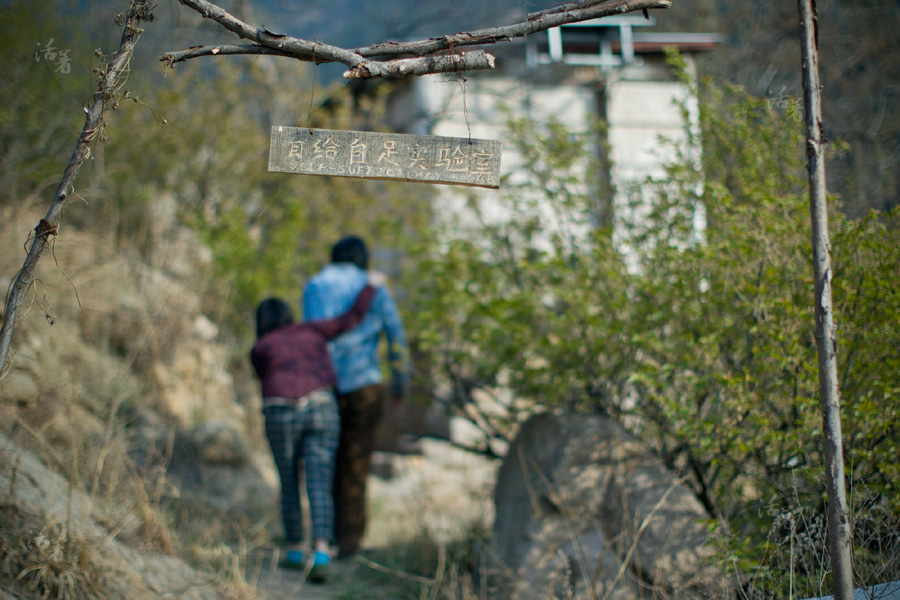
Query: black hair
<point x="351" y="249"/>
<point x="272" y="314"/>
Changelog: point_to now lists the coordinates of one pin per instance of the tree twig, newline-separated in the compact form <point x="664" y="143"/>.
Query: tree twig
<point x="48" y="228"/>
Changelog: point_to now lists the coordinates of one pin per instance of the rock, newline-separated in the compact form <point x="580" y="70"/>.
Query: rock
<point x="205" y="329"/>
<point x="219" y="444"/>
<point x="193" y="384"/>
<point x="582" y="504"/>
<point x="382" y="465"/>
<point x="108" y="371"/>
<point x="18" y="387"/>
<point x="443" y="492"/>
<point x="212" y="467"/>
<point x="882" y="591"/>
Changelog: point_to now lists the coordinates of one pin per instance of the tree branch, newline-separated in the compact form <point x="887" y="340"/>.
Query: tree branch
<point x="450" y="63"/>
<point x="423" y="65"/>
<point x="48" y="227"/>
<point x="285" y="45"/>
<point x="171" y="58"/>
<point x="565" y="7"/>
<point x="508" y="32"/>
<point x="291" y="46"/>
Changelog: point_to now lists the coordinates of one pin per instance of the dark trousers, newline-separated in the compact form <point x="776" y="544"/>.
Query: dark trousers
<point x="361" y="412"/>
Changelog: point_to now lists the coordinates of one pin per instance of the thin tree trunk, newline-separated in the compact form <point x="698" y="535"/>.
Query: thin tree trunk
<point x="839" y="527"/>
<point x="48" y="227"/>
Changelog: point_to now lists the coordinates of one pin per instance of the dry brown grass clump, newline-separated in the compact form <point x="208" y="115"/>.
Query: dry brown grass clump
<point x="47" y="558"/>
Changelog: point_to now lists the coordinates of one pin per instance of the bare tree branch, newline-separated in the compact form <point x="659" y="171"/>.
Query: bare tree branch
<point x="423" y="65"/>
<point x="361" y="68"/>
<point x="493" y="35"/>
<point x="565" y="7"/>
<point x="450" y="63"/>
<point x="108" y="86"/>
<point x="171" y="58"/>
<point x="291" y="46"/>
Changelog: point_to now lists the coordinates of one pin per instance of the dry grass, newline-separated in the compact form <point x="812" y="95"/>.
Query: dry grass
<point x="91" y="348"/>
<point x="798" y="560"/>
<point x="47" y="558"/>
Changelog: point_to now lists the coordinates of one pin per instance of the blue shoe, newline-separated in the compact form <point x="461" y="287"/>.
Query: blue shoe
<point x="293" y="559"/>
<point x="319" y="572"/>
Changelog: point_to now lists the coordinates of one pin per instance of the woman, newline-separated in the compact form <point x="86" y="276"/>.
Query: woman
<point x="301" y="415"/>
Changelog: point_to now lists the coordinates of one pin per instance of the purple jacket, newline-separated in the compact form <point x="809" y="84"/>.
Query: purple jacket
<point x="293" y="361"/>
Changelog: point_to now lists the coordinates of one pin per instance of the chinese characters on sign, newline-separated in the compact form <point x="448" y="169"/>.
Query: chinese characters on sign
<point x="49" y="53"/>
<point x="369" y="155"/>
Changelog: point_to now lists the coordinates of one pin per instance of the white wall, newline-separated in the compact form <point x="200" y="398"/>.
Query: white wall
<point x="647" y="130"/>
<point x="643" y="104"/>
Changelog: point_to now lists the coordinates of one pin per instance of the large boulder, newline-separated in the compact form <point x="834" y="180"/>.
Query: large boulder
<point x="584" y="510"/>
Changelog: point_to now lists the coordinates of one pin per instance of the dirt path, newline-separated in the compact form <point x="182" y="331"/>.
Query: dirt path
<point x="280" y="584"/>
<point x="436" y="497"/>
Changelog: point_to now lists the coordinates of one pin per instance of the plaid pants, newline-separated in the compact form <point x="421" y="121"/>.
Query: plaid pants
<point x="309" y="432"/>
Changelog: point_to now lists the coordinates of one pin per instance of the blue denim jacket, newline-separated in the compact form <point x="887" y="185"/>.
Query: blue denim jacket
<point x="355" y="353"/>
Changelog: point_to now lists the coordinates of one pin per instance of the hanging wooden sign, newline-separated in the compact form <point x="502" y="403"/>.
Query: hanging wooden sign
<point x="399" y="156"/>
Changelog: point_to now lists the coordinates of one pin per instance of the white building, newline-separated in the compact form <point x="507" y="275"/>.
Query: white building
<point x="612" y="69"/>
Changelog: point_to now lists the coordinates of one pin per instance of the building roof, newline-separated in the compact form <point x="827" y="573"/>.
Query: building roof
<point x="612" y="41"/>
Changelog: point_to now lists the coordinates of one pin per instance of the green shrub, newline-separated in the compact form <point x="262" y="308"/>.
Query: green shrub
<point x="708" y="351"/>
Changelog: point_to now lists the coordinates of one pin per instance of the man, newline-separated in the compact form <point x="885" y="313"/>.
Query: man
<point x="360" y="391"/>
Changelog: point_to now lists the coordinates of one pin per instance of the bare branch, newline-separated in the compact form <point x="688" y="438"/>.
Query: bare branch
<point x="464" y="61"/>
<point x="448" y="63"/>
<point x="48" y="227"/>
<point x="285" y="45"/>
<point x="171" y="58"/>
<point x="565" y="7"/>
<point x="493" y="35"/>
<point x="291" y="46"/>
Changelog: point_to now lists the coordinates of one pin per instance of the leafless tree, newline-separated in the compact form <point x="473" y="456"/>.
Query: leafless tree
<point x="839" y="526"/>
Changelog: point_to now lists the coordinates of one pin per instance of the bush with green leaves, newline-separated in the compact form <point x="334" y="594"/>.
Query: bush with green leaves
<point x="707" y="352"/>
